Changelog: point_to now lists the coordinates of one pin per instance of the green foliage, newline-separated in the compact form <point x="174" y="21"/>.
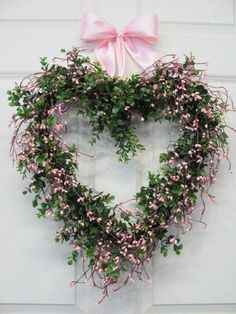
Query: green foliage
<point x="112" y="238"/>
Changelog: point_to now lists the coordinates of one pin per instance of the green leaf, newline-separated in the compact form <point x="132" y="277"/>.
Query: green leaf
<point x="35" y="202"/>
<point x="178" y="248"/>
<point x="164" y="250"/>
<point x="115" y="110"/>
<point x="51" y="120"/>
<point x="125" y="216"/>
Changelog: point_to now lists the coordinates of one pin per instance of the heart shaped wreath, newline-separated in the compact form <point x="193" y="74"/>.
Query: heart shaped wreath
<point x="109" y="238"/>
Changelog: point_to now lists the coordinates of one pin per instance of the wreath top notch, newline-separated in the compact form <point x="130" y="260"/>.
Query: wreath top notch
<point x="109" y="238"/>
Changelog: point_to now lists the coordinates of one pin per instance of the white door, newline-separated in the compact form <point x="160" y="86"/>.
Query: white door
<point x="34" y="276"/>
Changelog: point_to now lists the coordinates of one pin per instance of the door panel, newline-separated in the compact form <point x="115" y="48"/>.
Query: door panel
<point x="33" y="270"/>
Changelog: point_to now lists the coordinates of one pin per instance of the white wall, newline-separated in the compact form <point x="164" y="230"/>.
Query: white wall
<point x="33" y="271"/>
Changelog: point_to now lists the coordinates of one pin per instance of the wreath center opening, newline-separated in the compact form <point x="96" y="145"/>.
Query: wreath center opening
<point x="98" y="165"/>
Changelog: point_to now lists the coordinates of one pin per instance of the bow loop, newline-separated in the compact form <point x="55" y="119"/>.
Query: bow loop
<point x="95" y="29"/>
<point x="137" y="38"/>
<point x="144" y="28"/>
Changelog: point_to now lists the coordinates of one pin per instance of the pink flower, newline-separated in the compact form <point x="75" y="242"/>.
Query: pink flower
<point x="196" y="96"/>
<point x="72" y="284"/>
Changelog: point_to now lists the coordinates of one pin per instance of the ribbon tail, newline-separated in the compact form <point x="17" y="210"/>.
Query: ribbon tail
<point x="120" y="56"/>
<point x="106" y="56"/>
<point x="141" y="52"/>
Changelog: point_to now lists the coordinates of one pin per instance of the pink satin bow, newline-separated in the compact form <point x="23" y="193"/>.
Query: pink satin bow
<point x="137" y="38"/>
